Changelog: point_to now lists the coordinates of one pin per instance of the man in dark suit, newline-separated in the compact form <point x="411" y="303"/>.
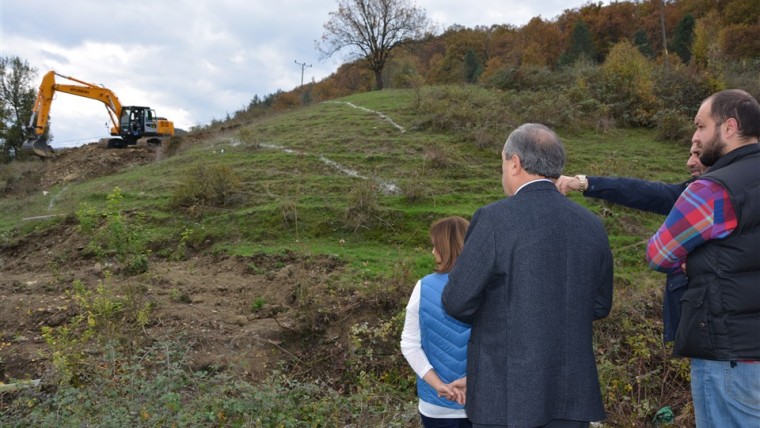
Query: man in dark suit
<point x="535" y="271"/>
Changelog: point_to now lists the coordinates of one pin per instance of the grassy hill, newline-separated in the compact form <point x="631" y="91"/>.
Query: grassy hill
<point x="309" y="226"/>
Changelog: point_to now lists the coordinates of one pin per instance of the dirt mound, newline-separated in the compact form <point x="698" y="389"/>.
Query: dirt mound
<point x="92" y="160"/>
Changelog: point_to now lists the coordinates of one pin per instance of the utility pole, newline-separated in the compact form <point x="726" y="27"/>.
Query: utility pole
<point x="303" y="65"/>
<point x="662" y="26"/>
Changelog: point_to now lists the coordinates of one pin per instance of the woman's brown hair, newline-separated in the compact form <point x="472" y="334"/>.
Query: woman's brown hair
<point x="447" y="236"/>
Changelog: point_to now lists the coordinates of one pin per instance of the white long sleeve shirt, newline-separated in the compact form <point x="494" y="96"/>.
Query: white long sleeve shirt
<point x="411" y="347"/>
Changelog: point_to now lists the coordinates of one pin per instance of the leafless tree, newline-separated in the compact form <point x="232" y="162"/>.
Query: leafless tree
<point x="371" y="29"/>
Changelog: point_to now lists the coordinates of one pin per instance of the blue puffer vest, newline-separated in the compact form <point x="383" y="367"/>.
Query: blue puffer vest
<point x="444" y="340"/>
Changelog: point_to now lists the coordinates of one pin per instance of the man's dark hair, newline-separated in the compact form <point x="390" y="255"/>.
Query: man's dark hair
<point x="737" y="104"/>
<point x="540" y="150"/>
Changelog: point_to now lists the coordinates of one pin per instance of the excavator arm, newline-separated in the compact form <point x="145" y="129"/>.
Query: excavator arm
<point x="41" y="111"/>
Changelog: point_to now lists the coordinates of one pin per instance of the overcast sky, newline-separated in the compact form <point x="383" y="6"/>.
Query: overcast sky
<point x="196" y="60"/>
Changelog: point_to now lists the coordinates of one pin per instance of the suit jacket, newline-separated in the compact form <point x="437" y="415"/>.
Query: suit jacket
<point x="535" y="271"/>
<point x="650" y="196"/>
<point x="656" y="197"/>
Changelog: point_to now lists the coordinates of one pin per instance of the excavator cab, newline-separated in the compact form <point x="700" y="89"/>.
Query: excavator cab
<point x="134" y="122"/>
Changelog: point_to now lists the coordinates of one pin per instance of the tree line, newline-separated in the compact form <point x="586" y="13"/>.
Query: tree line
<point x="700" y="33"/>
<point x="631" y="63"/>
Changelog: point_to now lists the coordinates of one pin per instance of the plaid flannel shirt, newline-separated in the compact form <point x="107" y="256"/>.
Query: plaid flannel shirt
<point x="703" y="212"/>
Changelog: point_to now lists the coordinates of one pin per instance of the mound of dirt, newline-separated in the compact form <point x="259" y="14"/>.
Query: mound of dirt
<point x="92" y="160"/>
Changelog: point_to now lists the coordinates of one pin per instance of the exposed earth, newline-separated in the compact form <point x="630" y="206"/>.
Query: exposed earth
<point x="234" y="313"/>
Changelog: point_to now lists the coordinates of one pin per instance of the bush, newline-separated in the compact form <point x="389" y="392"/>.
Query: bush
<point x="681" y="89"/>
<point x="462" y="108"/>
<point x="114" y="235"/>
<point x="628" y="85"/>
<point x="208" y="186"/>
<point x="363" y="207"/>
<point x="673" y="126"/>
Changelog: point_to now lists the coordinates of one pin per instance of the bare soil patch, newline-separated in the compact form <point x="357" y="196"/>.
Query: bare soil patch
<point x="235" y="313"/>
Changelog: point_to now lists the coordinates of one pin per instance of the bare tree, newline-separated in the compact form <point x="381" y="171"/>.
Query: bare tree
<point x="371" y="29"/>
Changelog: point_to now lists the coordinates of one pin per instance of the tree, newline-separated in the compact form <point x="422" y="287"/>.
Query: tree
<point x="370" y="29"/>
<point x="682" y="39"/>
<point x="628" y="85"/>
<point x="473" y="67"/>
<point x="581" y="45"/>
<point x="641" y="41"/>
<point x="17" y="96"/>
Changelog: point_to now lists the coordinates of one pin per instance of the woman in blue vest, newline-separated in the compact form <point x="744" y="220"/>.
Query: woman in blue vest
<point x="435" y="344"/>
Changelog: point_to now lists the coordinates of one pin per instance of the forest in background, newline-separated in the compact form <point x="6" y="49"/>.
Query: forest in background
<point x="629" y="63"/>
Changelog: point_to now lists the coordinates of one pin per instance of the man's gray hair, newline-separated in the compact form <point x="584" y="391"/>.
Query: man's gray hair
<point x="540" y="150"/>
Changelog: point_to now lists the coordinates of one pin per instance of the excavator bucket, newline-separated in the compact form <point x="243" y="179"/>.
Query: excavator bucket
<point x="39" y="146"/>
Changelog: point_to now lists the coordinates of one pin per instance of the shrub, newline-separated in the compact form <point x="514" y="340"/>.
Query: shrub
<point x="681" y="89"/>
<point x="416" y="187"/>
<point x="673" y="126"/>
<point x="628" y="85"/>
<point x="208" y="186"/>
<point x="363" y="207"/>
<point x="115" y="236"/>
<point x="460" y="109"/>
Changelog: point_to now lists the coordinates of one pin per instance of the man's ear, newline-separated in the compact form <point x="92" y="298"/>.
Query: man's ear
<point x="730" y="128"/>
<point x="516" y="163"/>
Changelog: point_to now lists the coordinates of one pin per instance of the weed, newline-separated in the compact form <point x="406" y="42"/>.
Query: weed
<point x="190" y="238"/>
<point x="179" y="296"/>
<point x="258" y="304"/>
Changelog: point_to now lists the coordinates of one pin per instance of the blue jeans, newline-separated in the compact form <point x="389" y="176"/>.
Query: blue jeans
<point x="725" y="396"/>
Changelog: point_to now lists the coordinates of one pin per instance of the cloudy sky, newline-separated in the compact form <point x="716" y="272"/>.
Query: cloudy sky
<point x="196" y="60"/>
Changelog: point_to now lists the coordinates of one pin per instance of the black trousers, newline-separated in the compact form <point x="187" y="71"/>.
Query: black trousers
<point x="556" y="423"/>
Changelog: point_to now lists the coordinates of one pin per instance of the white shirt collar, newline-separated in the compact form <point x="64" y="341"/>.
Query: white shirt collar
<point x="533" y="181"/>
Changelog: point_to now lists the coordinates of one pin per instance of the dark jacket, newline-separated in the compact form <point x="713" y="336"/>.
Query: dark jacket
<point x="655" y="197"/>
<point x="721" y="313"/>
<point x="535" y="271"/>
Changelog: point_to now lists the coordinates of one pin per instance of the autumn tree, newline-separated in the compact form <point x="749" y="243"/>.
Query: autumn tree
<point x="463" y="57"/>
<point x="705" y="46"/>
<point x="539" y="43"/>
<point x="17" y="96"/>
<point x="629" y="85"/>
<point x="369" y="30"/>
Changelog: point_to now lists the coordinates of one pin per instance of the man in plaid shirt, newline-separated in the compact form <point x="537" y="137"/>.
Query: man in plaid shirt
<point x="715" y="223"/>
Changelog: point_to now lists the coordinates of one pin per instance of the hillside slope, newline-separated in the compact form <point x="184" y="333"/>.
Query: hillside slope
<point x="288" y="242"/>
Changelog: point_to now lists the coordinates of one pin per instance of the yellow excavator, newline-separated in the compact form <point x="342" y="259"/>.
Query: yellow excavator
<point x="131" y="124"/>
